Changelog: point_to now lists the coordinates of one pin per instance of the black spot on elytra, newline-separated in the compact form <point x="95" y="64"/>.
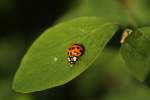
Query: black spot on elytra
<point x="78" y="47"/>
<point x="69" y="48"/>
<point x="70" y="53"/>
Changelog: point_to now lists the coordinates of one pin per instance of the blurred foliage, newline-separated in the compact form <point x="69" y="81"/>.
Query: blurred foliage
<point x="7" y="93"/>
<point x="110" y="9"/>
<point x="139" y="10"/>
<point x="135" y="52"/>
<point x="109" y="79"/>
<point x="7" y="5"/>
<point x="11" y="49"/>
<point x="134" y="12"/>
<point x="103" y="76"/>
<point x="134" y="91"/>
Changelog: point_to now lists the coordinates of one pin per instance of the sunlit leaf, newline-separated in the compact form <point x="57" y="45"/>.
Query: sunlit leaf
<point x="45" y="65"/>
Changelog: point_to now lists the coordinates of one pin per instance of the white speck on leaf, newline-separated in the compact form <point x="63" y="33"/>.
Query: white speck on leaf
<point x="55" y="59"/>
<point x="71" y="65"/>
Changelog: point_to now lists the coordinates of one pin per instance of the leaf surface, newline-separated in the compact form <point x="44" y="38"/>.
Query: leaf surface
<point x="45" y="64"/>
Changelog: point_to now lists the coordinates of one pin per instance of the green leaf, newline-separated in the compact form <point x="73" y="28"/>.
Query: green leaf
<point x="45" y="65"/>
<point x="136" y="52"/>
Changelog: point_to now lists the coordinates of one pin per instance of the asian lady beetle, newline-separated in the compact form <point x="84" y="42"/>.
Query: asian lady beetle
<point x="75" y="51"/>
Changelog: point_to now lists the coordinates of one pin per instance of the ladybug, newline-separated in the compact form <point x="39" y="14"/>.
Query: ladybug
<point x="75" y="51"/>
